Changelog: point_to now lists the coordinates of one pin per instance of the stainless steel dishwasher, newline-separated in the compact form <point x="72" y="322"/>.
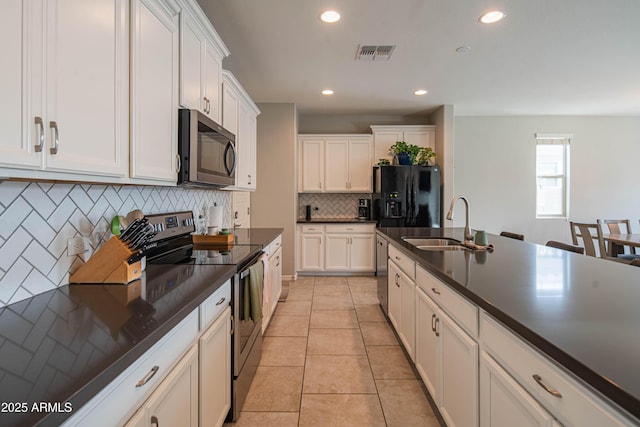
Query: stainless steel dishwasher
<point x="382" y="248"/>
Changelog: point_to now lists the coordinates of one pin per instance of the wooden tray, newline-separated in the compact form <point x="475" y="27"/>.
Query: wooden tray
<point x="217" y="240"/>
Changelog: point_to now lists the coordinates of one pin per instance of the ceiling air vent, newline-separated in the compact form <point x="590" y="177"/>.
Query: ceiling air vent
<point x="374" y="53"/>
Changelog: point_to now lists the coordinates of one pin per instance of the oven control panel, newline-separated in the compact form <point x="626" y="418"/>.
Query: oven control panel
<point x="172" y="224"/>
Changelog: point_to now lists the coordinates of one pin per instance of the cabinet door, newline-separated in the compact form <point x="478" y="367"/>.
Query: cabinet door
<point x="337" y="252"/>
<point x="192" y="48"/>
<point x="212" y="84"/>
<point x="407" y="316"/>
<point x="230" y="103"/>
<point x="311" y="165"/>
<point x="394" y="295"/>
<point x="311" y="252"/>
<point x="241" y="209"/>
<point x="503" y="402"/>
<point x="360" y="171"/>
<point x="175" y="401"/>
<point x="244" y="147"/>
<point x="252" y="150"/>
<point x="18" y="139"/>
<point x="154" y="92"/>
<point x="420" y="137"/>
<point x="276" y="277"/>
<point x="215" y="371"/>
<point x="362" y="255"/>
<point x="87" y="91"/>
<point x="459" y="371"/>
<point x="336" y="171"/>
<point x="383" y="139"/>
<point x="427" y="344"/>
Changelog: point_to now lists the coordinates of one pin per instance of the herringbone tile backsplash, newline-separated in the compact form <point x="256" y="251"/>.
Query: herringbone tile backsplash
<point x="331" y="205"/>
<point x="37" y="219"/>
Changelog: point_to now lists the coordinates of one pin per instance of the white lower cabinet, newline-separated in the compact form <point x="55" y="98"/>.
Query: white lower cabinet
<point x="274" y="252"/>
<point x="215" y="371"/>
<point x="402" y="294"/>
<point x="446" y="356"/>
<point x="504" y="403"/>
<point x="337" y="247"/>
<point x="558" y="392"/>
<point x="175" y="401"/>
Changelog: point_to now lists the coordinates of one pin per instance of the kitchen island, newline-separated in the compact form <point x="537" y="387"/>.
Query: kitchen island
<point x="580" y="312"/>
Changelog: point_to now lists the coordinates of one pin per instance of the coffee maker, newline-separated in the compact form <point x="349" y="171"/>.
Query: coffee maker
<point x="364" y="209"/>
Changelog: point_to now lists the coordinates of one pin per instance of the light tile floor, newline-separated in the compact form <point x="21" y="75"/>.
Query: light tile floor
<point x="331" y="359"/>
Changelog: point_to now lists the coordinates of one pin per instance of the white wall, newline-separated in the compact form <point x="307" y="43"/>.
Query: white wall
<point x="275" y="201"/>
<point x="495" y="167"/>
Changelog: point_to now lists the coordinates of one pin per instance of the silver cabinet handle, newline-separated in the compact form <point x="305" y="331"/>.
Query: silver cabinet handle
<point x="56" y="139"/>
<point x="433" y="322"/>
<point x="435" y="291"/>
<point x="278" y="258"/>
<point x="437" y="330"/>
<point x="179" y="165"/>
<point x="148" y="377"/>
<point x="40" y="126"/>
<point x="397" y="278"/>
<point x="349" y="229"/>
<point x="154" y="421"/>
<point x="551" y="391"/>
<point x="221" y="301"/>
<point x="249" y="178"/>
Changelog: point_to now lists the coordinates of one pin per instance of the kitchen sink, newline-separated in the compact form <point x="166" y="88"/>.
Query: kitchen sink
<point x="435" y="244"/>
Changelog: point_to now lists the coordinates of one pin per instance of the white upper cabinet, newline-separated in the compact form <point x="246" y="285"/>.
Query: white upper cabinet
<point x="335" y="163"/>
<point x="154" y="90"/>
<point x="385" y="136"/>
<point x="239" y="115"/>
<point x="65" y="88"/>
<point x="201" y="54"/>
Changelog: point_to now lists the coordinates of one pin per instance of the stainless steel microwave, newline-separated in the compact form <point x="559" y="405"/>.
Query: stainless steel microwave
<point x="206" y="149"/>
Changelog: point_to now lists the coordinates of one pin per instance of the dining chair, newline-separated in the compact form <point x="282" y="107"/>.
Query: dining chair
<point x="512" y="235"/>
<point x="591" y="235"/>
<point x="565" y="246"/>
<point x="614" y="228"/>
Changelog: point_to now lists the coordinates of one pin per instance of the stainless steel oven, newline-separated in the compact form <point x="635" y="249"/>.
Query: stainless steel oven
<point x="246" y="338"/>
<point x="206" y="150"/>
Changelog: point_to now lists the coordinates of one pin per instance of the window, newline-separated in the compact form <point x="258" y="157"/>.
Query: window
<point x="552" y="175"/>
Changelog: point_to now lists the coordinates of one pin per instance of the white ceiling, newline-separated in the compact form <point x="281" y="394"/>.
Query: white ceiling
<point x="556" y="57"/>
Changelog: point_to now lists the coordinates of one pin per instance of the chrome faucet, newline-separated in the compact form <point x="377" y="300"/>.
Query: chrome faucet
<point x="468" y="237"/>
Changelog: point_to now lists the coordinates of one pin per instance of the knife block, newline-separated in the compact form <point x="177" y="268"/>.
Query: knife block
<point x="108" y="265"/>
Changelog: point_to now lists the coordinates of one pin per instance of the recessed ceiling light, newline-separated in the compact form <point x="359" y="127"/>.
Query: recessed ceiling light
<point x="420" y="92"/>
<point x="491" y="17"/>
<point x="330" y="16"/>
<point x="327" y="92"/>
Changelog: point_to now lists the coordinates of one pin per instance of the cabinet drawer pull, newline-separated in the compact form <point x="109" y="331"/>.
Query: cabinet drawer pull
<point x="349" y="229"/>
<point x="435" y="291"/>
<point x="40" y="125"/>
<point x="437" y="330"/>
<point x="221" y="301"/>
<point x="397" y="278"/>
<point x="154" y="421"/>
<point x="148" y="377"/>
<point x="398" y="258"/>
<point x="551" y="391"/>
<point x="433" y="322"/>
<point x="56" y="138"/>
<point x="179" y="164"/>
<point x="249" y="179"/>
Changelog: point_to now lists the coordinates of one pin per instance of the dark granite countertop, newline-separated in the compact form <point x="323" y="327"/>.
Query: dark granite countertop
<point x="580" y="311"/>
<point x="334" y="220"/>
<point x="67" y="344"/>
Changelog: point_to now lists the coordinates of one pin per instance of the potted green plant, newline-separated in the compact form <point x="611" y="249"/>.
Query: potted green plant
<point x="425" y="156"/>
<point x="405" y="153"/>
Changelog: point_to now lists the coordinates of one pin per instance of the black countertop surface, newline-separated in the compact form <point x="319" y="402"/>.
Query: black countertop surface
<point x="581" y="311"/>
<point x="335" y="220"/>
<point x="67" y="344"/>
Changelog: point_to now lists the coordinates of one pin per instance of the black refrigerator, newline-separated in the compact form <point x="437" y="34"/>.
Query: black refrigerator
<point x="406" y="196"/>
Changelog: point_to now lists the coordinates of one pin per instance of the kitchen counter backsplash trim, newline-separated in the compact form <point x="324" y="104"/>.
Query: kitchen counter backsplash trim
<point x="38" y="218"/>
<point x="509" y="284"/>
